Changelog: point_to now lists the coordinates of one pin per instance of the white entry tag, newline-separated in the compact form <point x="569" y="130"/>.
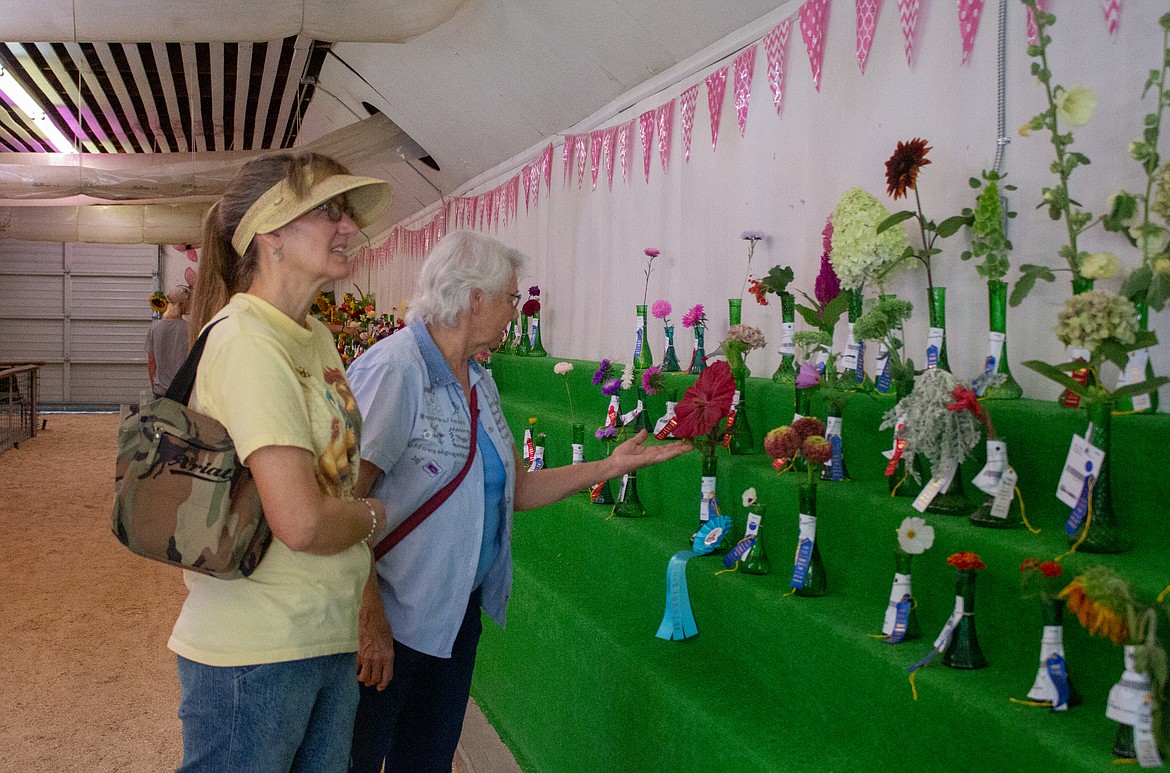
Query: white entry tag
<point x="988" y="478"/>
<point x="1084" y="460"/>
<point x="940" y="482"/>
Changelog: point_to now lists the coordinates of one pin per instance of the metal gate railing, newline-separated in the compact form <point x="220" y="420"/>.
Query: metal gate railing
<point x="18" y="403"/>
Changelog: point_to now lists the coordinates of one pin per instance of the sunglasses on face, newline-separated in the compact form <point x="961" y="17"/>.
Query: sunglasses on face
<point x="335" y="208"/>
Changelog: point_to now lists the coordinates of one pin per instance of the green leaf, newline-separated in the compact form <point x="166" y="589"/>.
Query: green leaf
<point x="1029" y="273"/>
<point x="973" y="182"/>
<point x="833" y="311"/>
<point x="1137" y="284"/>
<point x="809" y="315"/>
<point x="894" y="219"/>
<point x="1159" y="291"/>
<point x="1069" y="383"/>
<point x="1133" y="390"/>
<point x="952" y="224"/>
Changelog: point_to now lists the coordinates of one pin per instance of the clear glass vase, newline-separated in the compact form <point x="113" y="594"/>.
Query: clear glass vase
<point x="997" y="343"/>
<point x="536" y="348"/>
<point x="963" y="650"/>
<point x="523" y="342"/>
<point x="936" y="344"/>
<point x="669" y="358"/>
<point x="699" y="356"/>
<point x="643" y="358"/>
<point x="786" y="372"/>
<point x="815" y="583"/>
<point x="1104" y="531"/>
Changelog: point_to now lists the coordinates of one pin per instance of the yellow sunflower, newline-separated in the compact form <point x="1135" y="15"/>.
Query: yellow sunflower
<point x="159" y="302"/>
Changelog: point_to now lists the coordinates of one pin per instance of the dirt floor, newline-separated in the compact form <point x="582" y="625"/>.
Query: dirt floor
<point x="86" y="680"/>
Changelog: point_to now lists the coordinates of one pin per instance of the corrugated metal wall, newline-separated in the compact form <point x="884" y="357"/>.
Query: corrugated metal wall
<point x="81" y="309"/>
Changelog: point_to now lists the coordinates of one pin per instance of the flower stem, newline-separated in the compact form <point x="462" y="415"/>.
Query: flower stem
<point x="926" y="245"/>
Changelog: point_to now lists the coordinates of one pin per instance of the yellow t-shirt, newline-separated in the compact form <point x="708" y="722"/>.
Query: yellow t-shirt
<point x="270" y="381"/>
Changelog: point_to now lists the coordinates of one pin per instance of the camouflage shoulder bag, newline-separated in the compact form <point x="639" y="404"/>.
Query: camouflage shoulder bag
<point x="182" y="496"/>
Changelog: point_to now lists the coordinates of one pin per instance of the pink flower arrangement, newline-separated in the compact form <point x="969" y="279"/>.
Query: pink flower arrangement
<point x="696" y="317"/>
<point x="661" y="310"/>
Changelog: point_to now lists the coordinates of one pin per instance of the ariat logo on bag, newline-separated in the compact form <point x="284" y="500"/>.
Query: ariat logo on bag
<point x="183" y="459"/>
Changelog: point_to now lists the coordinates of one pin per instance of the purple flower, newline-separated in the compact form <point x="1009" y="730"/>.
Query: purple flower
<point x="808" y="376"/>
<point x="661" y="309"/>
<point x="534" y="290"/>
<point x="827" y="236"/>
<point x="651" y="380"/>
<point x="827" y="286"/>
<point x="611" y="387"/>
<point x="651" y="252"/>
<point x="602" y="373"/>
<point x="754" y="236"/>
<point x="606" y="433"/>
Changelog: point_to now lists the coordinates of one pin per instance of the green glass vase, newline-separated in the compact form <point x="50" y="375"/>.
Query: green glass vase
<point x="901" y="482"/>
<point x="1052" y="643"/>
<point x="834" y="469"/>
<point x="536" y="348"/>
<point x="643" y="358"/>
<point x="963" y="650"/>
<point x="853" y="359"/>
<point x="1101" y="528"/>
<point x="997" y="348"/>
<point x="523" y="342"/>
<point x="936" y="346"/>
<point x="708" y="471"/>
<point x="901" y="588"/>
<point x="734" y="311"/>
<point x="802" y="407"/>
<point x="602" y="493"/>
<point x="699" y="356"/>
<point x="786" y="372"/>
<point x="629" y="505"/>
<point x="755" y="560"/>
<point x="815" y="583"/>
<point x="1135" y="373"/>
<point x="952" y="501"/>
<point x="578" y="443"/>
<point x="983" y="513"/>
<point x="739" y="434"/>
<point x="669" y="358"/>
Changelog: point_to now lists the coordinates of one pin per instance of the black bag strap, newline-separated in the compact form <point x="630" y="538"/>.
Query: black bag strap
<point x="439" y="497"/>
<point x="184" y="380"/>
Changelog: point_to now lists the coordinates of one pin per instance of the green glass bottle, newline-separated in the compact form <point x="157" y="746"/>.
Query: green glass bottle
<point x="963" y="650"/>
<point x="936" y="344"/>
<point x="853" y="359"/>
<point x="669" y="358"/>
<point x="755" y="560"/>
<point x="602" y="493"/>
<point x="815" y="583"/>
<point x="786" y="372"/>
<point x="536" y="348"/>
<point x="707" y="481"/>
<point x="953" y="500"/>
<point x="734" y="311"/>
<point x="629" y="505"/>
<point x="1105" y="534"/>
<point x="803" y="407"/>
<point x="901" y="588"/>
<point x="834" y="469"/>
<point x="523" y="343"/>
<point x="643" y="358"/>
<point x="997" y="343"/>
<point x="699" y="357"/>
<point x="739" y="440"/>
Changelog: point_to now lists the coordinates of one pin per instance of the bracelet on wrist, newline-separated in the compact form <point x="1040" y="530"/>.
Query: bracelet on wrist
<point x="373" y="519"/>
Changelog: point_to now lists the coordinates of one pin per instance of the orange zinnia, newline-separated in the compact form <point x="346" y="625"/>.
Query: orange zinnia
<point x="902" y="168"/>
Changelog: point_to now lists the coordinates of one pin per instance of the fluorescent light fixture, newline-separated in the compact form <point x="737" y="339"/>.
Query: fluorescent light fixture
<point x="16" y="93"/>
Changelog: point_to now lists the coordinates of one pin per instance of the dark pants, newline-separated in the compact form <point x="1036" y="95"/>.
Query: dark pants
<point x="415" y="723"/>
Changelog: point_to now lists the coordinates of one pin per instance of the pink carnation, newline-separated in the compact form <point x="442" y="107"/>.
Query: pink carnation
<point x="661" y="309"/>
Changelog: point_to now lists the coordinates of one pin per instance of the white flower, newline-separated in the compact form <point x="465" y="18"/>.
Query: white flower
<point x="749" y="497"/>
<point x="628" y="377"/>
<point x="915" y="536"/>
<point x="561" y="368"/>
<point x="1099" y="265"/>
<point x="1075" y="105"/>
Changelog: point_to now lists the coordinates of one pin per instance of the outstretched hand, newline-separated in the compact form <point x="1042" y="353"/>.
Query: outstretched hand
<point x="633" y="455"/>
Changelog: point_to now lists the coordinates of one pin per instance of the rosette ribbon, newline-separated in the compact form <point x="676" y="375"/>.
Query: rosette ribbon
<point x="678" y="621"/>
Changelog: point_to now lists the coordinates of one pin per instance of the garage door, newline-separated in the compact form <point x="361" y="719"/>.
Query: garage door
<point x="81" y="309"/>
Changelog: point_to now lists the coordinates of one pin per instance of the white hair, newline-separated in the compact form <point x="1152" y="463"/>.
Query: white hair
<point x="461" y="262"/>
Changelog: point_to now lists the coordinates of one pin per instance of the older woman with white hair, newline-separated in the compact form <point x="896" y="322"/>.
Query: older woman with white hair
<point x="435" y="441"/>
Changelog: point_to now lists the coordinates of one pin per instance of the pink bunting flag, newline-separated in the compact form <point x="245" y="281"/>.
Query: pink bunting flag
<point x="582" y="158"/>
<point x="515" y="183"/>
<point x="716" y="83"/>
<point x="908" y="15"/>
<point x="570" y="152"/>
<point x="526" y="176"/>
<point x="867" y="13"/>
<point x="595" y="155"/>
<point x="1112" y="10"/>
<point x="776" y="44"/>
<point x="744" y="66"/>
<point x="608" y="140"/>
<point x="970" y="11"/>
<point x="665" y="118"/>
<point x="624" y="132"/>
<point x="546" y="168"/>
<point x="646" y="132"/>
<point x="497" y="202"/>
<point x="687" y="103"/>
<point x="813" y="17"/>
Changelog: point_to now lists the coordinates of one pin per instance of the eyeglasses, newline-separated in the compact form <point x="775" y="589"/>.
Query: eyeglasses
<point x="334" y="209"/>
<point x="515" y="299"/>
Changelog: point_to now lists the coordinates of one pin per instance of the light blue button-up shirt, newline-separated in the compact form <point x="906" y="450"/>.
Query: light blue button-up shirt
<point x="416" y="428"/>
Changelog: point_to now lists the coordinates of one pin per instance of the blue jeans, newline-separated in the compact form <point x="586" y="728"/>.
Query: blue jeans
<point x="415" y="723"/>
<point x="278" y="717"/>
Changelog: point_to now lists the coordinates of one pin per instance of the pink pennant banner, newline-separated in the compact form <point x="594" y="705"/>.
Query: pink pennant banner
<point x="687" y="103"/>
<point x="608" y="138"/>
<point x="582" y="158"/>
<point x="646" y="132"/>
<point x="716" y="84"/>
<point x="744" y="66"/>
<point x="1112" y="10"/>
<point x="814" y="16"/>
<point x="595" y="155"/>
<point x="624" y="132"/>
<point x="665" y="119"/>
<point x="570" y="152"/>
<point x="970" y="12"/>
<point x="867" y="13"/>
<point x="546" y="168"/>
<point x="908" y="15"/>
<point x="776" y="44"/>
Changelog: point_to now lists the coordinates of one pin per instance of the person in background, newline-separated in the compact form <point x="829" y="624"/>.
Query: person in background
<point x="420" y="618"/>
<point x="266" y="663"/>
<point x="167" y="341"/>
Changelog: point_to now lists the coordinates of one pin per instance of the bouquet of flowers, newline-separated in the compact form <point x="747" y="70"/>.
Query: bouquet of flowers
<point x="803" y="439"/>
<point x="740" y="340"/>
<point x="859" y="252"/>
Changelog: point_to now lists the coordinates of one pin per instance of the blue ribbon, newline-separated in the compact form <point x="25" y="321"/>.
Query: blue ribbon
<point x="1077" y="516"/>
<point x="800" y="571"/>
<point x="739" y="551"/>
<point x="988" y="369"/>
<point x="678" y="622"/>
<point x="886" y="378"/>
<point x="707" y="539"/>
<point x="1059" y="675"/>
<point x="837" y="466"/>
<point x="901" y="620"/>
<point x="932" y="356"/>
<point x="638" y="344"/>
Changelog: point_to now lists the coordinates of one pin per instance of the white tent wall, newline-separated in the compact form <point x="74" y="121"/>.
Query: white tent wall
<point x="785" y="175"/>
